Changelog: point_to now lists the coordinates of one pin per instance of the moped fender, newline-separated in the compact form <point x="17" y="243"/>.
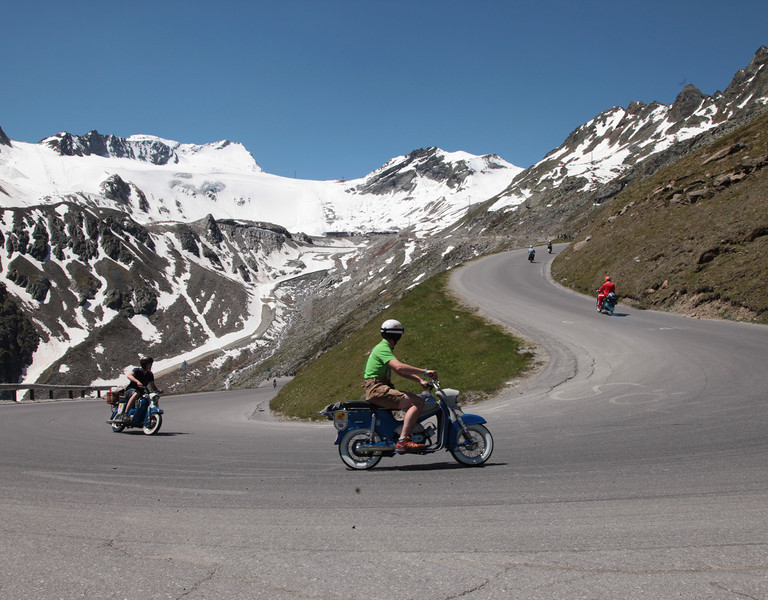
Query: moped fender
<point x="471" y="420"/>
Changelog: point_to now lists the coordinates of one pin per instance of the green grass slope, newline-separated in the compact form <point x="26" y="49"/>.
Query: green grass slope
<point x="691" y="239"/>
<point x="470" y="354"/>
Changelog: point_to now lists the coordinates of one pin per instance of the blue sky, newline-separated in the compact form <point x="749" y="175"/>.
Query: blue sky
<point x="325" y="89"/>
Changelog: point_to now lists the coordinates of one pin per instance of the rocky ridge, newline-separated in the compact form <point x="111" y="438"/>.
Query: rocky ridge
<point x="621" y="146"/>
<point x="150" y="149"/>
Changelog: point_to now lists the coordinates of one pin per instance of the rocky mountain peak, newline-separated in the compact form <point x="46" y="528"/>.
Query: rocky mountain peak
<point x="4" y="139"/>
<point x="758" y="62"/>
<point x="93" y="143"/>
<point x="749" y="88"/>
<point x="401" y="174"/>
<point x="687" y="102"/>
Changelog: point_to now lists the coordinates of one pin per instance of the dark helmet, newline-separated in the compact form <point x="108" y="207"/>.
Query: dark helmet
<point x="146" y="362"/>
<point x="392" y="329"/>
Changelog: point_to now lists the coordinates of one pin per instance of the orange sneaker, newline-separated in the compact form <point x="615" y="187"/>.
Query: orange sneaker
<point x="406" y="445"/>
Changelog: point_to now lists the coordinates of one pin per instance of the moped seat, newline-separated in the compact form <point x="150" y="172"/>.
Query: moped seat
<point x="347" y="405"/>
<point x="329" y="410"/>
<point x="357" y="404"/>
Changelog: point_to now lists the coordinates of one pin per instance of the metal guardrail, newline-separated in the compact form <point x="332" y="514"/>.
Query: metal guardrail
<point x="69" y="390"/>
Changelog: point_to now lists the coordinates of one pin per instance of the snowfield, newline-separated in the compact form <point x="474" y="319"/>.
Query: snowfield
<point x="223" y="180"/>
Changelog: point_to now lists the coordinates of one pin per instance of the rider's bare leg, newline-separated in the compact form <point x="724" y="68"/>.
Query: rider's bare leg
<point x="412" y="404"/>
<point x="130" y="404"/>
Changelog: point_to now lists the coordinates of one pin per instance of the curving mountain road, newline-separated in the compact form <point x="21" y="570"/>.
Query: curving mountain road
<point x="632" y="466"/>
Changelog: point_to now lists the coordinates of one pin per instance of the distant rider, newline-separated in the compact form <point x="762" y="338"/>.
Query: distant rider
<point x="607" y="288"/>
<point x="378" y="384"/>
<point x="139" y="378"/>
<point x="531" y="253"/>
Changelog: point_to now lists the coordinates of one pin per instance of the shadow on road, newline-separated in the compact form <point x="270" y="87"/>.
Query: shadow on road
<point x="442" y="466"/>
<point x="158" y="434"/>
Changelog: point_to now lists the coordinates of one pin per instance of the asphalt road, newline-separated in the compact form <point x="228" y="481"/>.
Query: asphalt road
<point x="632" y="466"/>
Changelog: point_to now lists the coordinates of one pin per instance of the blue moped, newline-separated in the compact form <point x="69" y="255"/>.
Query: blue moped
<point x="367" y="432"/>
<point x="609" y="303"/>
<point x="147" y="413"/>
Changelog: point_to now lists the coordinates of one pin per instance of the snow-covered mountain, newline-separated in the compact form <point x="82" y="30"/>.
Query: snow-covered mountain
<point x="156" y="180"/>
<point x="605" y="148"/>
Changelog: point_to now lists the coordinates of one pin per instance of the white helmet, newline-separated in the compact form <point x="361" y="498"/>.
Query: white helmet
<point x="392" y="328"/>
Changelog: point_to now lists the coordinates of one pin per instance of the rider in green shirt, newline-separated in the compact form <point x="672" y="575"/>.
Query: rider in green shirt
<point x="378" y="361"/>
<point x="378" y="384"/>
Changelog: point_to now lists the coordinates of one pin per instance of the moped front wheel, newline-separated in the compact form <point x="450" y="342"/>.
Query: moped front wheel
<point x="352" y="457"/>
<point x="473" y="448"/>
<point x="153" y="424"/>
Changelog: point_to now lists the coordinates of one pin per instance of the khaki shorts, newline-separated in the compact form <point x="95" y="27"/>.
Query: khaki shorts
<point x="381" y="393"/>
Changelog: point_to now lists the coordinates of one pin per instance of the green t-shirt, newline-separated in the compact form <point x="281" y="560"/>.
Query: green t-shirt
<point x="377" y="364"/>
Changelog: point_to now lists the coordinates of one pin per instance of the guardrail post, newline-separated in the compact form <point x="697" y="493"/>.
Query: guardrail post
<point x="32" y="395"/>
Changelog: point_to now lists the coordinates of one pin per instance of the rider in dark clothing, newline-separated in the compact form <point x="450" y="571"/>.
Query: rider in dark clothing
<point x="139" y="378"/>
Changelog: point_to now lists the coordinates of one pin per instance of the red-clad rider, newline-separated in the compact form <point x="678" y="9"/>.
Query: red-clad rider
<point x="607" y="288"/>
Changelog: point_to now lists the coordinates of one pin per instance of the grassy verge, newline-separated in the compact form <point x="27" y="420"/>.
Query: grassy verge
<point x="469" y="353"/>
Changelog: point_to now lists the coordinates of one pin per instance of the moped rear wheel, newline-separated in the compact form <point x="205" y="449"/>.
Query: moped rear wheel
<point x="154" y="424"/>
<point x="348" y="449"/>
<point x="475" y="450"/>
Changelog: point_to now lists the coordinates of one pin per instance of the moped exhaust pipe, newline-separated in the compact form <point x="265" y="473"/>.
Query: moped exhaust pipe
<point x="366" y="448"/>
